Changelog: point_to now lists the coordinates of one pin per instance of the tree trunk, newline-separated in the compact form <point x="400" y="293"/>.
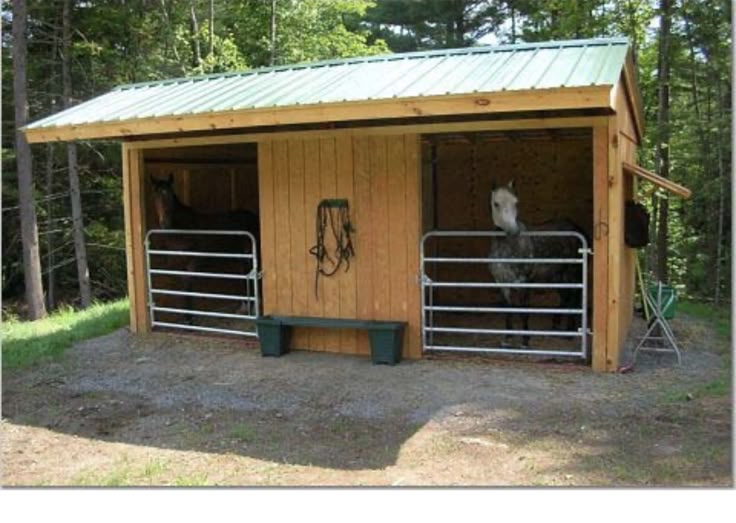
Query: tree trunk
<point x="273" y="33"/>
<point x="663" y="133"/>
<point x="212" y="28"/>
<point x="50" y="255"/>
<point x="194" y="27"/>
<point x="50" y="274"/>
<point x="170" y="32"/>
<point x="80" y="248"/>
<point x="28" y="222"/>
<point x="721" y="199"/>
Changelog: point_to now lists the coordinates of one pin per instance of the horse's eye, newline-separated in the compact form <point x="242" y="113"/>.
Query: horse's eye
<point x="495" y="204"/>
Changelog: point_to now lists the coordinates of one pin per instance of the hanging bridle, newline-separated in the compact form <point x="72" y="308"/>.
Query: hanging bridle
<point x="337" y="214"/>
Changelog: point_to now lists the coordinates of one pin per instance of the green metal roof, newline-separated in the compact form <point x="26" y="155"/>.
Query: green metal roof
<point x="573" y="63"/>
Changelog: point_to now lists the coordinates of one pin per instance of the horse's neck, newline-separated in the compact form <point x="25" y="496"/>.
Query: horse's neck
<point x="183" y="214"/>
<point x="519" y="243"/>
<point x="522" y="226"/>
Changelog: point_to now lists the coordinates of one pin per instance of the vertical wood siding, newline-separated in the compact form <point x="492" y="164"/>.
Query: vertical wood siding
<point x="379" y="175"/>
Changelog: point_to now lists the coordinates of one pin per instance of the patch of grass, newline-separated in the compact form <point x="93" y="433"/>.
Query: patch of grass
<point x="119" y="476"/>
<point x="29" y="342"/>
<point x="242" y="432"/>
<point x="122" y="474"/>
<point x="716" y="388"/>
<point x="721" y="386"/>
<point x="153" y="468"/>
<point x="718" y="317"/>
<point x="196" y="480"/>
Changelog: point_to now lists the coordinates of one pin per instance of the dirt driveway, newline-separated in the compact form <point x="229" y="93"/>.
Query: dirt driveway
<point x="163" y="410"/>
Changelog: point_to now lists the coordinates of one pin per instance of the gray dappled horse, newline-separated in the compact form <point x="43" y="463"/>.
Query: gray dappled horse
<point x="171" y="213"/>
<point x="503" y="203"/>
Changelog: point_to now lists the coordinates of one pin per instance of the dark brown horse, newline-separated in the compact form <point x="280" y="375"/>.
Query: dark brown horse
<point x="171" y="214"/>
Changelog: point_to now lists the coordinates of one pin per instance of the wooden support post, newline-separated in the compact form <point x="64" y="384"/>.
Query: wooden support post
<point x="615" y="245"/>
<point x="136" y="237"/>
<point x="414" y="217"/>
<point x="600" y="247"/>
<point x="129" y="239"/>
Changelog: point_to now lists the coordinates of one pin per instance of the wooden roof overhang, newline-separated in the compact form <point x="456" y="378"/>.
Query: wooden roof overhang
<point x="477" y="104"/>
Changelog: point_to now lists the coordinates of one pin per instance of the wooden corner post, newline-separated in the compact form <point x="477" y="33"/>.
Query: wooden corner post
<point x="135" y="230"/>
<point x="616" y="247"/>
<point x="600" y="247"/>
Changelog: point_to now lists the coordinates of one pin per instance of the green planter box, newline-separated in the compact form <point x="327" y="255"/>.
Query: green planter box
<point x="273" y="337"/>
<point x="669" y="300"/>
<point x="386" y="343"/>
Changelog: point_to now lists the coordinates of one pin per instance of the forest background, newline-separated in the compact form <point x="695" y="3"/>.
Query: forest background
<point x="73" y="50"/>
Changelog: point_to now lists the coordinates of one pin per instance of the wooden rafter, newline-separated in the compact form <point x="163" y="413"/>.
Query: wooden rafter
<point x="664" y="183"/>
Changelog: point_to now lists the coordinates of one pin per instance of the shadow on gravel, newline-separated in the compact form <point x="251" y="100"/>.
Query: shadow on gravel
<point x="341" y="412"/>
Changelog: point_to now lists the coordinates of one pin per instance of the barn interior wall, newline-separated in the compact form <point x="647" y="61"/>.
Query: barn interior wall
<point x="210" y="179"/>
<point x="379" y="176"/>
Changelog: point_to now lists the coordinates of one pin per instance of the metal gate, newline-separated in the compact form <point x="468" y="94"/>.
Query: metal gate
<point x="178" y="255"/>
<point x="440" y="318"/>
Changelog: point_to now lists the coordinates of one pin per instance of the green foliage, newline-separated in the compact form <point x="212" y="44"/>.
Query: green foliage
<point x="27" y="343"/>
<point x="433" y="24"/>
<point x="306" y="30"/>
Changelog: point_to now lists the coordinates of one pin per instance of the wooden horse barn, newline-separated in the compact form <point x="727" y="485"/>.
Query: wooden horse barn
<point x="407" y="147"/>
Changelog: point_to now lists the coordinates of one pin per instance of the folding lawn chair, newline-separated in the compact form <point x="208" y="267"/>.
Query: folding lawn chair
<point x="659" y="330"/>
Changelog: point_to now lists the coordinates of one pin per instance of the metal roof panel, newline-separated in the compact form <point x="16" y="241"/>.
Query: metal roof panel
<point x="561" y="64"/>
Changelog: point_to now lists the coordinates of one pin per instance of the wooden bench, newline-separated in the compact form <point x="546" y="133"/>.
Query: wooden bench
<point x="386" y="337"/>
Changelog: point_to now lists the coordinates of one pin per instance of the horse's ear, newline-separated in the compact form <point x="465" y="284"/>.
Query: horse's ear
<point x="512" y="185"/>
<point x="493" y="185"/>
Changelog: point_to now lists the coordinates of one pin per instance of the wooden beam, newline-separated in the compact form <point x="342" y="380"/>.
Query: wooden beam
<point x="433" y="128"/>
<point x="201" y="162"/>
<point x="664" y="183"/>
<point x="477" y="103"/>
<point x="600" y="247"/>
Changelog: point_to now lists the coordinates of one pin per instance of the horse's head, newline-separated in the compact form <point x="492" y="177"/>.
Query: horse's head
<point x="164" y="200"/>
<point x="503" y="202"/>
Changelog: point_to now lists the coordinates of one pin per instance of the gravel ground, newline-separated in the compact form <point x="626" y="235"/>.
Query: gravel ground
<point x="183" y="410"/>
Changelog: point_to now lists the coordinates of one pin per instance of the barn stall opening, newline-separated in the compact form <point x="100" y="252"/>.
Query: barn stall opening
<point x="560" y="117"/>
<point x="204" y="281"/>
<point x="463" y="307"/>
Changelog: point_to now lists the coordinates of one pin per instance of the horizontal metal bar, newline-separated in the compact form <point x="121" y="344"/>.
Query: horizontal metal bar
<point x="490" y="234"/>
<point x="484" y="285"/>
<point x="224" y="275"/>
<point x="204" y="313"/>
<point x="203" y="329"/>
<point x="502" y="350"/>
<point x="462" y="330"/>
<point x="203" y="295"/>
<point x="448" y="308"/>
<point x="159" y="252"/>
<point x="503" y="260"/>
<point x="202" y="232"/>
